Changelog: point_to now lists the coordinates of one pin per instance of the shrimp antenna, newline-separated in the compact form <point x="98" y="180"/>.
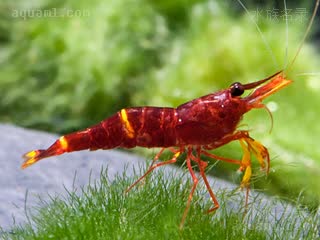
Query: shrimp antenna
<point x="265" y="42"/>
<point x="287" y="35"/>
<point x="271" y="117"/>
<point x="305" y="34"/>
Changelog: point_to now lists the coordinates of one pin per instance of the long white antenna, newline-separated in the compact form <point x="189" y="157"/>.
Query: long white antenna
<point x="261" y="34"/>
<point x="285" y="62"/>
<point x="305" y="35"/>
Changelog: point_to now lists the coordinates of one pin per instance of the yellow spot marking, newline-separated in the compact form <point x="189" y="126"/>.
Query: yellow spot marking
<point x="246" y="178"/>
<point x="127" y="124"/>
<point x="28" y="162"/>
<point x="176" y="155"/>
<point x="63" y="143"/>
<point x="30" y="154"/>
<point x="259" y="151"/>
<point x="245" y="161"/>
<point x="245" y="164"/>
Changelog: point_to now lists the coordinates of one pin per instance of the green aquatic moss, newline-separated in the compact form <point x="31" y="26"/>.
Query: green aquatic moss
<point x="154" y="210"/>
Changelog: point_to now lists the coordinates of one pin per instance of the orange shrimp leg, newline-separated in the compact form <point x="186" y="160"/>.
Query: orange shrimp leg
<point x="195" y="183"/>
<point x="248" y="145"/>
<point x="154" y="166"/>
<point x="246" y="166"/>
<point x="202" y="167"/>
<point x="260" y="152"/>
<point x="229" y="160"/>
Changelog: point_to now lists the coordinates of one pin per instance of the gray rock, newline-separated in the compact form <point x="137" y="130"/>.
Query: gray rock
<point x="50" y="176"/>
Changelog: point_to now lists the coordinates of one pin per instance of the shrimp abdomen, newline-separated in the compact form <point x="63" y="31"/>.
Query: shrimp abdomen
<point x="128" y="128"/>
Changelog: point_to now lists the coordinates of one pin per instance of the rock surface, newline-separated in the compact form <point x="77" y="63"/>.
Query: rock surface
<point x="50" y="176"/>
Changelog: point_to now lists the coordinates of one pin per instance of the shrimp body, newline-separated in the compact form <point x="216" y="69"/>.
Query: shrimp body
<point x="201" y="121"/>
<point x="194" y="127"/>
<point x="204" y="121"/>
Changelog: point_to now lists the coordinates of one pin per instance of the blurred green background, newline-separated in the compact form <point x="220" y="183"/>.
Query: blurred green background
<point x="65" y="65"/>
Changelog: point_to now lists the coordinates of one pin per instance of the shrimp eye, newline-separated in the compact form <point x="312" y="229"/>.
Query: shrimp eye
<point x="236" y="89"/>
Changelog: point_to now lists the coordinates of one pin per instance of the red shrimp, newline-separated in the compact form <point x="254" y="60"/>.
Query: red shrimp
<point x="199" y="125"/>
<point x="202" y="124"/>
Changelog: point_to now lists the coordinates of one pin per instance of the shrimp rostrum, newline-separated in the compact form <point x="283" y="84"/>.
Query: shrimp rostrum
<point x="194" y="128"/>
